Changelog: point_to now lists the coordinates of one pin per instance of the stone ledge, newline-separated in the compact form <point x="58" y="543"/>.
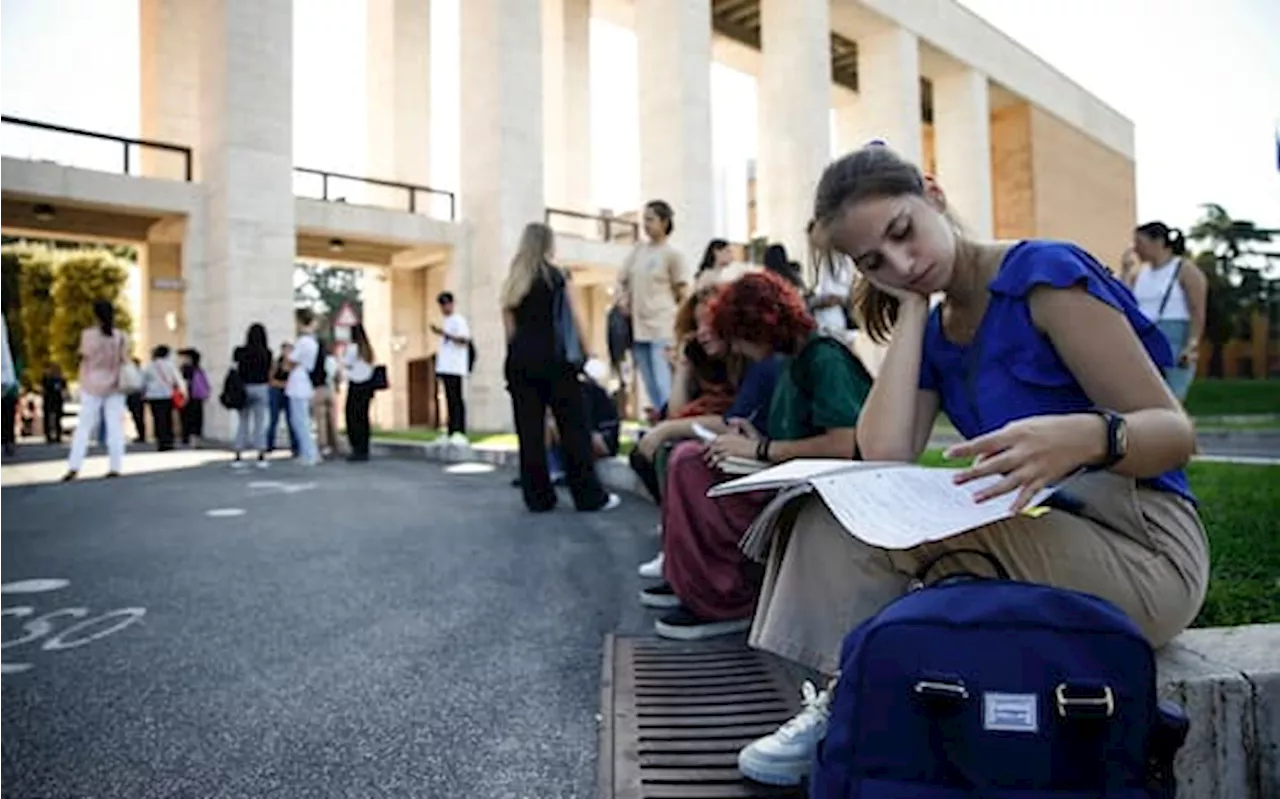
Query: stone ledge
<point x="1226" y="678"/>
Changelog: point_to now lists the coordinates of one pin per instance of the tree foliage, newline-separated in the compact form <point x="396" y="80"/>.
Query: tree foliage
<point x="325" y="289"/>
<point x="81" y="278"/>
<point x="35" y="305"/>
<point x="1238" y="263"/>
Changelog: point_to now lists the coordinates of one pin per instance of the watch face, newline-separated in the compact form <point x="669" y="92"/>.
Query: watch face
<point x="1121" y="437"/>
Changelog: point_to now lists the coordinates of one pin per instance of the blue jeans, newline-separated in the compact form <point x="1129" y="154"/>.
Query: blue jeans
<point x="300" y="425"/>
<point x="655" y="371"/>
<point x="1176" y="332"/>
<point x="252" y="429"/>
<point x="276" y="407"/>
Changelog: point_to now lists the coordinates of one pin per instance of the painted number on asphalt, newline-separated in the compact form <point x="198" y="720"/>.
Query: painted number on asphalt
<point x="83" y="630"/>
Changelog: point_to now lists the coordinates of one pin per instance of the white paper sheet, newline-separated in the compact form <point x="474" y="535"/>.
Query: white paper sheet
<point x="905" y="507"/>
<point x="791" y="473"/>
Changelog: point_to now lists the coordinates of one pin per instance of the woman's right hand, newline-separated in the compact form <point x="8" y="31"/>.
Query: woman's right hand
<point x="650" y="443"/>
<point x="904" y="296"/>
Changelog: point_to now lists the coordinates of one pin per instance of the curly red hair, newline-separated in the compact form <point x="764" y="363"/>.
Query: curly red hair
<point x="762" y="308"/>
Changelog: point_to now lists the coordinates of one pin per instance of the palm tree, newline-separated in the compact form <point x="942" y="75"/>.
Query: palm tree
<point x="1237" y="268"/>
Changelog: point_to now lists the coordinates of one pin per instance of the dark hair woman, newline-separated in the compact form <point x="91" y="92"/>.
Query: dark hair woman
<point x="1173" y="293"/>
<point x="359" y="362"/>
<point x="103" y="350"/>
<point x="253" y="363"/>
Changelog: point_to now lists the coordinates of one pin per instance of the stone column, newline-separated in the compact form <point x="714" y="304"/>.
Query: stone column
<point x="850" y="130"/>
<point x="962" y="141"/>
<point x="246" y="160"/>
<point x="794" y="117"/>
<point x="501" y="155"/>
<point x="399" y="98"/>
<point x="566" y="64"/>
<point x="160" y="263"/>
<point x="889" y="90"/>
<point x="169" y="66"/>
<point x="674" y="59"/>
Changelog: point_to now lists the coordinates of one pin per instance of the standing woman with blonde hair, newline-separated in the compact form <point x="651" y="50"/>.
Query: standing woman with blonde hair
<point x="544" y="356"/>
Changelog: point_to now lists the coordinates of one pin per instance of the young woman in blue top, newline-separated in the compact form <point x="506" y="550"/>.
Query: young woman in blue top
<point x="1045" y="364"/>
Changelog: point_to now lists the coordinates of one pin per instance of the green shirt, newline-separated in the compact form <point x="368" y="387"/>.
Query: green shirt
<point x="822" y="388"/>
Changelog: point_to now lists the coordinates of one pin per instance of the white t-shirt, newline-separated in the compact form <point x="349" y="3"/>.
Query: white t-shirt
<point x="838" y="284"/>
<point x="453" y="357"/>
<point x="1149" y="290"/>
<point x="305" y="352"/>
<point x="358" y="370"/>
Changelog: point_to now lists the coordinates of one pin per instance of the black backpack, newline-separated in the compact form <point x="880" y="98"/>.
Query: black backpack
<point x="318" y="376"/>
<point x="233" y="396"/>
<point x="471" y="356"/>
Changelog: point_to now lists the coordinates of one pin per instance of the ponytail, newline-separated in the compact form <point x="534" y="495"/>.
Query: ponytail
<point x="875" y="311"/>
<point x="105" y="313"/>
<point x="1177" y="242"/>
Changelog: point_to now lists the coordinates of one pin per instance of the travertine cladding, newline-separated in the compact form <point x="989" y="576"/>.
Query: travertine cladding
<point x="673" y="51"/>
<point x="794" y="108"/>
<point x="889" y="89"/>
<point x="161" y="259"/>
<point x="246" y="158"/>
<point x="169" y="83"/>
<point x="961" y="118"/>
<point x="566" y="60"/>
<point x="399" y="97"/>
<point x="1013" y="183"/>
<point x="1085" y="192"/>
<point x="502" y="177"/>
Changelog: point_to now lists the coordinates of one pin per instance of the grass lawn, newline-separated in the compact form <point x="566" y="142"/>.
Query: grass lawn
<point x="1233" y="397"/>
<point x="1240" y="507"/>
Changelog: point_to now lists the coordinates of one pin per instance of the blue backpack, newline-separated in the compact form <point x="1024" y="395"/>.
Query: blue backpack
<point x="999" y="689"/>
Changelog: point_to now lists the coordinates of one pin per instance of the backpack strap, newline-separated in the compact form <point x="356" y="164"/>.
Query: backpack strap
<point x="920" y="578"/>
<point x="1168" y="290"/>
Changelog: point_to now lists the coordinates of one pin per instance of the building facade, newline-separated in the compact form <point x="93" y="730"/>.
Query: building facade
<point x="1020" y="150"/>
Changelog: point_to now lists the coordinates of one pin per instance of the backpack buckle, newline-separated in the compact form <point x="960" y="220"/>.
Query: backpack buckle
<point x="940" y="694"/>
<point x="1081" y="701"/>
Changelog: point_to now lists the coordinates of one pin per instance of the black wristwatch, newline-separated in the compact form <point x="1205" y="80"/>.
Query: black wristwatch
<point x="1117" y="438"/>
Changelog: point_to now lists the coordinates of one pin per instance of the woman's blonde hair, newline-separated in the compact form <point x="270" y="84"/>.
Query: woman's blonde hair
<point x="529" y="263"/>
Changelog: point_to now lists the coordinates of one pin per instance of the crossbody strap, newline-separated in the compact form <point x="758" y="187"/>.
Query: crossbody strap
<point x="1168" y="290"/>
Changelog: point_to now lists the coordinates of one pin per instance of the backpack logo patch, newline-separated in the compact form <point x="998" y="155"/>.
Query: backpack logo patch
<point x="1010" y="712"/>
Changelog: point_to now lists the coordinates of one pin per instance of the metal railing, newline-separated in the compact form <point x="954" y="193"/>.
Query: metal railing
<point x="411" y="189"/>
<point x="609" y="226"/>
<point x="126" y="142"/>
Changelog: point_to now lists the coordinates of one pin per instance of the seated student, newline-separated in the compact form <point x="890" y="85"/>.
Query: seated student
<point x="754" y="388"/>
<point x="704" y="380"/>
<point x="1045" y="364"/>
<point x="601" y="416"/>
<point x="812" y="414"/>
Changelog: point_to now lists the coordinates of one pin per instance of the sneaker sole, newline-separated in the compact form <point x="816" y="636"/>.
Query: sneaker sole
<point x="713" y="629"/>
<point x="649" y="574"/>
<point x="659" y="601"/>
<point x="783" y="775"/>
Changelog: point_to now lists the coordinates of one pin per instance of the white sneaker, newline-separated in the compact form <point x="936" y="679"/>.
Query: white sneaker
<point x="263" y="464"/>
<point x="460" y="439"/>
<point x="614" y="501"/>
<point x="239" y="465"/>
<point x="784" y="757"/>
<point x="652" y="569"/>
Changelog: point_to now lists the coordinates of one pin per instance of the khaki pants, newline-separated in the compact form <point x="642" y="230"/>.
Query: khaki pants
<point x="322" y="412"/>
<point x="1150" y="557"/>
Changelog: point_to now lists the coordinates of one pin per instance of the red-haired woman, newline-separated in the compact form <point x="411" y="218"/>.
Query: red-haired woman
<point x="711" y="588"/>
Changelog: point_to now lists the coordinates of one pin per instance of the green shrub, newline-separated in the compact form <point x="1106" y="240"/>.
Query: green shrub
<point x="80" y="279"/>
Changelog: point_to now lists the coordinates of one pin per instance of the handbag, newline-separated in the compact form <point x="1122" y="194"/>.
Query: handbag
<point x="129" y="381"/>
<point x="378" y="380"/>
<point x="568" y="345"/>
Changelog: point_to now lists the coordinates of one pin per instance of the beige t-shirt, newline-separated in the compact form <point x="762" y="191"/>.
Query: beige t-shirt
<point x="100" y="358"/>
<point x="653" y="279"/>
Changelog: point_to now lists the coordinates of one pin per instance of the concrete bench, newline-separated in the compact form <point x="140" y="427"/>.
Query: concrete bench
<point x="1227" y="679"/>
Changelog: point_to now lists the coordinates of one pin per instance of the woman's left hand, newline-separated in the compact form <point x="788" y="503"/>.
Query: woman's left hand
<point x="729" y="445"/>
<point x="1032" y="453"/>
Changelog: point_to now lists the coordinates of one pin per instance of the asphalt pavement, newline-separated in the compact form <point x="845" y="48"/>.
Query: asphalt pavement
<point x="389" y="629"/>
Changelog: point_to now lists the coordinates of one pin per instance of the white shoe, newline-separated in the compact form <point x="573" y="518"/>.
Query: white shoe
<point x="263" y="463"/>
<point x="784" y="757"/>
<point x="239" y="465"/>
<point x="614" y="501"/>
<point x="460" y="439"/>
<point x="652" y="569"/>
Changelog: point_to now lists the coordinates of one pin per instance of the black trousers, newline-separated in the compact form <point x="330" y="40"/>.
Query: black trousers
<point x="531" y="395"/>
<point x="192" y="420"/>
<point x="9" y="435"/>
<point x="359" y="395"/>
<point x="53" y="422"/>
<point x="136" y="410"/>
<point x="647" y="471"/>
<point x="456" y="408"/>
<point x="162" y="422"/>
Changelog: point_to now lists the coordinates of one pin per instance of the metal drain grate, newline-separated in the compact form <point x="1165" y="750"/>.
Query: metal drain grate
<point x="676" y="714"/>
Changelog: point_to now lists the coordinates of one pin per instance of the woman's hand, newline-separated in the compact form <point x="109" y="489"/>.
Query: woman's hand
<point x="1032" y="453"/>
<point x="651" y="442"/>
<point x="904" y="296"/>
<point x="1191" y="355"/>
<point x="730" y="445"/>
<point x="743" y="427"/>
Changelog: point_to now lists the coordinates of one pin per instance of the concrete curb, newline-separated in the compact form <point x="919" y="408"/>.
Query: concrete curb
<point x="615" y="473"/>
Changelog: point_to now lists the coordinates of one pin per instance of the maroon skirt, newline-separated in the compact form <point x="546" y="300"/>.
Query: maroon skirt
<point x="700" y="538"/>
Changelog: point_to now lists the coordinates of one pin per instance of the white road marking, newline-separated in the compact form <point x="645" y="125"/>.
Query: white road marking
<point x="38" y="586"/>
<point x="224" y="513"/>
